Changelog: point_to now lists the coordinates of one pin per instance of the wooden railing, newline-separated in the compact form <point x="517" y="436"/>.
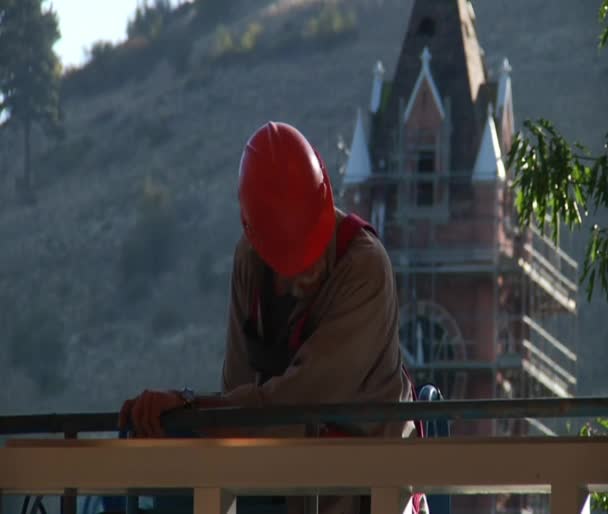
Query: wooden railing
<point x="215" y="471"/>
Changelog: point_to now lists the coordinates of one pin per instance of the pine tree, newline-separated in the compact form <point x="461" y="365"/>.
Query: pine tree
<point x="29" y="71"/>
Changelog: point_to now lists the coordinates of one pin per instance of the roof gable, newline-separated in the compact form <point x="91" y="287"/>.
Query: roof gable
<point x="425" y="75"/>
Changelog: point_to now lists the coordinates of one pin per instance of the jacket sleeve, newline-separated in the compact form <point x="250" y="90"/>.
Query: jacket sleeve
<point x="353" y="354"/>
<point x="236" y="370"/>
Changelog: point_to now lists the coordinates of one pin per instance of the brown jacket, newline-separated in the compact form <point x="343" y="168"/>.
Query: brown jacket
<point x="353" y="353"/>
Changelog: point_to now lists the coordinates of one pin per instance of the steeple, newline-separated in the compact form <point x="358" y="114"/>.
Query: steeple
<point x="489" y="165"/>
<point x="505" y="116"/>
<point x="358" y="168"/>
<point x="377" y="84"/>
<point x="504" y="87"/>
<point x="446" y="28"/>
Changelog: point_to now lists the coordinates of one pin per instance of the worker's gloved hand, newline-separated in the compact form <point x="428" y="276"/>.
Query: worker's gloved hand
<point x="144" y="411"/>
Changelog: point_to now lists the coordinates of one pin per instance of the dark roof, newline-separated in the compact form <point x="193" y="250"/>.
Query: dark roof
<point x="486" y="96"/>
<point x="448" y="29"/>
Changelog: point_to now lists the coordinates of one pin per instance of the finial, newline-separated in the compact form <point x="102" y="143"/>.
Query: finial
<point x="506" y="67"/>
<point x="426" y="56"/>
<point x="379" y="69"/>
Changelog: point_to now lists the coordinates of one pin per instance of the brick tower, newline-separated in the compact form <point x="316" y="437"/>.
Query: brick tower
<point x="482" y="301"/>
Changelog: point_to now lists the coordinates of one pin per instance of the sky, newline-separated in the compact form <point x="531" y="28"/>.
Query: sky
<point x="82" y="22"/>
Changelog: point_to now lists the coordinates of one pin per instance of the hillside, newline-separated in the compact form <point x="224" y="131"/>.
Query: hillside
<point x="108" y="337"/>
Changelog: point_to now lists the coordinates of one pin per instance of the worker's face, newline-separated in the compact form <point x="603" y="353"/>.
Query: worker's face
<point x="306" y="284"/>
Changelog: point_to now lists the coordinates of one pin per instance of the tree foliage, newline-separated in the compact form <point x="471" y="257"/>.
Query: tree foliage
<point x="149" y="20"/>
<point x="562" y="183"/>
<point x="29" y="68"/>
<point x="604" y="21"/>
<point x="559" y="183"/>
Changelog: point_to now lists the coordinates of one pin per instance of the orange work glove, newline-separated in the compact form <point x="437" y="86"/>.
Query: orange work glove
<point x="144" y="412"/>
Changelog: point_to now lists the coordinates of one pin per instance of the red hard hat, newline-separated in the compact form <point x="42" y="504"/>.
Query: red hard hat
<point x="286" y="200"/>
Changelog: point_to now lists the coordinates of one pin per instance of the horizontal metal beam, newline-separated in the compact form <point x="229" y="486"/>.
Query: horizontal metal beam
<point x="571" y="261"/>
<point x="59" y="423"/>
<point x="303" y="466"/>
<point x="550" y="338"/>
<point x="589" y="407"/>
<point x="453" y="269"/>
<point x="468" y="365"/>
<point x="557" y="387"/>
<point x="548" y="286"/>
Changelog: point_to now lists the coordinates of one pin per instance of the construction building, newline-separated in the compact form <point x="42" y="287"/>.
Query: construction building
<point x="488" y="309"/>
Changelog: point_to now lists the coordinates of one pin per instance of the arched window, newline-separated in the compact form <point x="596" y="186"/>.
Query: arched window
<point x="429" y="338"/>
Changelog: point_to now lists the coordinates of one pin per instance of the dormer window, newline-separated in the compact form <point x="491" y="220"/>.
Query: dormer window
<point x="427" y="27"/>
<point x="425" y="185"/>
<point x="423" y="132"/>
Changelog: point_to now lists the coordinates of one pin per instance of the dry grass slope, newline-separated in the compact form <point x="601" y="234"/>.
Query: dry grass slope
<point x="184" y="131"/>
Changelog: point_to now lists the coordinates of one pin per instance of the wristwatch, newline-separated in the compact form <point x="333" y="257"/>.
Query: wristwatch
<point x="188" y="396"/>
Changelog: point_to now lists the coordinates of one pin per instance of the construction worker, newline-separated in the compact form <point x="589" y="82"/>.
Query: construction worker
<point x="313" y="315"/>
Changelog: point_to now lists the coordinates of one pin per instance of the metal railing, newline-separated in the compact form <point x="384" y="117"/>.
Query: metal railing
<point x="239" y="417"/>
<point x="217" y="470"/>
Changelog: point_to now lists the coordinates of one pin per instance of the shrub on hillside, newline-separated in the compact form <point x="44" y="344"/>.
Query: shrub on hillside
<point x="37" y="347"/>
<point x="111" y="66"/>
<point x="148" y="249"/>
<point x="100" y="51"/>
<point x="230" y="44"/>
<point x="329" y="26"/>
<point x="250" y="37"/>
<point x="149" y="20"/>
<point x="224" y="42"/>
<point x="331" y="21"/>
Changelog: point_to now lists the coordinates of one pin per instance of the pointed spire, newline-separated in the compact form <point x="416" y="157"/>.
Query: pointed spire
<point x="504" y="86"/>
<point x="358" y="168"/>
<point x="489" y="165"/>
<point x="377" y="88"/>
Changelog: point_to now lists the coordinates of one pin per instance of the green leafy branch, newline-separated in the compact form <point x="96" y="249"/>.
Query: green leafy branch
<point x="557" y="184"/>
<point x="599" y="501"/>
<point x="603" y="18"/>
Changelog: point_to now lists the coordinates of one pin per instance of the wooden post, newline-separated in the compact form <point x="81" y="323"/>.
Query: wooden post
<point x="386" y="500"/>
<point x="70" y="496"/>
<point x="567" y="498"/>
<point x="213" y="501"/>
